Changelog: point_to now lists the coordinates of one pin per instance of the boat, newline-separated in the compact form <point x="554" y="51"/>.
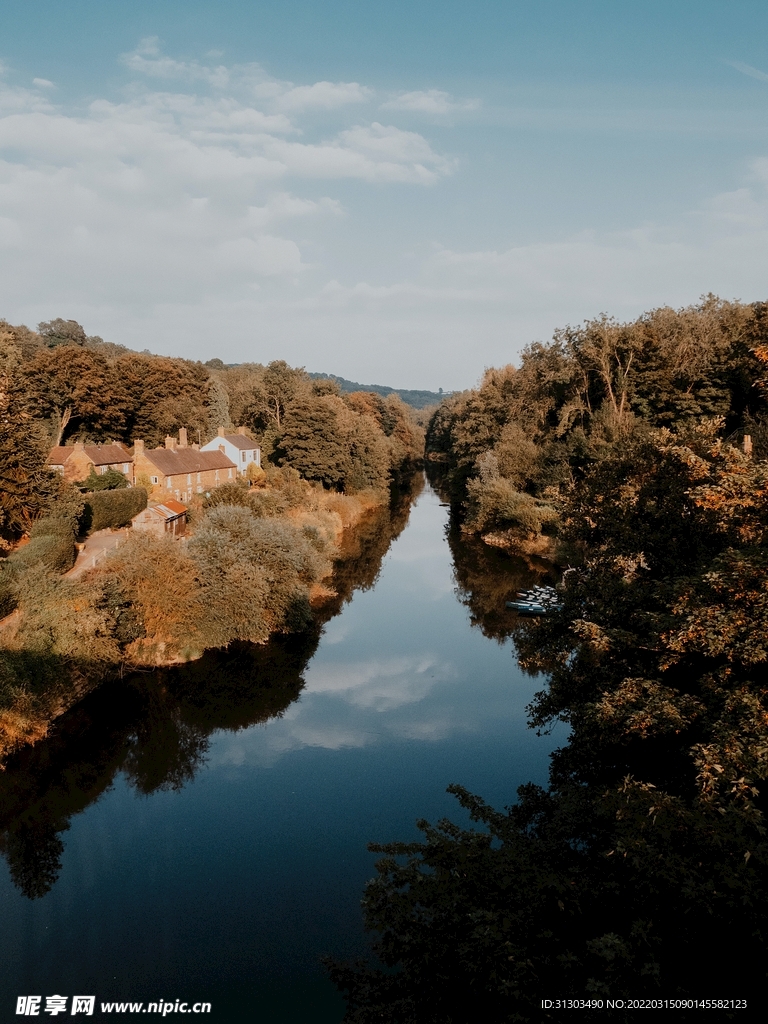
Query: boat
<point x="536" y="601"/>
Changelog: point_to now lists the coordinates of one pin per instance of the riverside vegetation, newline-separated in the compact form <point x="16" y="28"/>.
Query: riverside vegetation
<point x="641" y="870"/>
<point x="259" y="558"/>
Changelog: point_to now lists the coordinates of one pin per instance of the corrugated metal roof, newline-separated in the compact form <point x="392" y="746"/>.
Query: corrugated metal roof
<point x="169" y="509"/>
<point x="171" y="462"/>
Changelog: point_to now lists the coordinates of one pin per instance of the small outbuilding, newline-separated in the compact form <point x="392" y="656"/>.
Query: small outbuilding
<point x="168" y="517"/>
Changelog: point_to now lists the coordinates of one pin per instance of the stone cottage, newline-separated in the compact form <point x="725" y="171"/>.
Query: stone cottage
<point x="181" y="470"/>
<point x="76" y="461"/>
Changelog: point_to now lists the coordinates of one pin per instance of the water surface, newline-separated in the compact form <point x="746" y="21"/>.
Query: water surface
<point x="203" y="836"/>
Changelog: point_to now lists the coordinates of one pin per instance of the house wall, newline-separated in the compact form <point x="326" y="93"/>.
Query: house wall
<point x="181" y="486"/>
<point x="252" y="455"/>
<point x="79" y="465"/>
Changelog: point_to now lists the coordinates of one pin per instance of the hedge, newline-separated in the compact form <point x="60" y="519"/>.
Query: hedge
<point x="105" y="509"/>
<point x="7" y="588"/>
<point x="51" y="526"/>
<point x="57" y="553"/>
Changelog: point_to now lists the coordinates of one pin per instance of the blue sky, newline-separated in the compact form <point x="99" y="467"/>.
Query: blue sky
<point x="401" y="193"/>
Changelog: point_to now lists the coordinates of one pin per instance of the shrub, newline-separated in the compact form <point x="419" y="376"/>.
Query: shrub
<point x="109" y="481"/>
<point x="54" y="526"/>
<point x="496" y="504"/>
<point x="56" y="553"/>
<point x="234" y="493"/>
<point x="8" y="598"/>
<point x="117" y="508"/>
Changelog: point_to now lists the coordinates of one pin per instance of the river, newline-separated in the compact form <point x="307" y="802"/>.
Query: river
<point x="201" y="835"/>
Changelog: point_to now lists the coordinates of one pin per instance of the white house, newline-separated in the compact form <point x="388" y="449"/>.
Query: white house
<point x="240" y="448"/>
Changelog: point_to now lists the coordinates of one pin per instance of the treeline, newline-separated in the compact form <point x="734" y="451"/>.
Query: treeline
<point x="512" y="448"/>
<point x="58" y="385"/>
<point x="642" y="870"/>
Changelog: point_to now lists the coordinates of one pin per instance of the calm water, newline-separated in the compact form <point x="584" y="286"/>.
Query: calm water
<point x="177" y="850"/>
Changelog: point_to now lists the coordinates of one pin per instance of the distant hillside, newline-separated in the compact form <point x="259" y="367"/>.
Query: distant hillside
<point x="417" y="399"/>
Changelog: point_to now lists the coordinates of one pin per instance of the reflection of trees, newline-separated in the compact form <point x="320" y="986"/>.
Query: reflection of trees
<point x="487" y="577"/>
<point x="154" y="727"/>
<point x="641" y="870"/>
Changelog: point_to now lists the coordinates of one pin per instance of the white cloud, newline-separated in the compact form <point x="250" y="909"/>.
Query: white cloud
<point x="431" y="101"/>
<point x="747" y="69"/>
<point x="42" y="83"/>
<point x="381" y="684"/>
<point x="175" y="196"/>
<point x="323" y="96"/>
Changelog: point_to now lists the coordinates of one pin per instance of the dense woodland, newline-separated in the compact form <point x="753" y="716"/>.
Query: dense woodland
<point x="642" y="869"/>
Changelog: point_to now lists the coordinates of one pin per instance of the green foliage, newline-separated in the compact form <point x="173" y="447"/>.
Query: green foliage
<point x="24" y="478"/>
<point x="73" y="387"/>
<point x="599" y="387"/>
<point x="109" y="481"/>
<point x="162" y="395"/>
<point x="7" y="587"/>
<point x="496" y="505"/>
<point x="105" y="509"/>
<point x="313" y="441"/>
<point x="256" y="573"/>
<point x="55" y="552"/>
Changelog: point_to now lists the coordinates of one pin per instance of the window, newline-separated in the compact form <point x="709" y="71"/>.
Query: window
<point x="126" y="467"/>
<point x="243" y="456"/>
<point x="229" y="474"/>
<point x="198" y="480"/>
<point x="154" y="479"/>
<point x="189" y="479"/>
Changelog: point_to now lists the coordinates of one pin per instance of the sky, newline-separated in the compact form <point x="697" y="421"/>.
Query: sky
<point x="400" y="193"/>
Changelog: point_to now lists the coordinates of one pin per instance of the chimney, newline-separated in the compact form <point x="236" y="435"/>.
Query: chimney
<point x="221" y="448"/>
<point x="221" y="431"/>
<point x="79" y="446"/>
<point x="747" y="444"/>
<point x="170" y="442"/>
<point x="196" y="446"/>
<point x="242" y="431"/>
<point x="138" y="448"/>
<point x="182" y="437"/>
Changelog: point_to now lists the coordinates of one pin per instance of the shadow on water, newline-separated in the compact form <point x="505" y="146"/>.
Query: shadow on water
<point x="154" y="727"/>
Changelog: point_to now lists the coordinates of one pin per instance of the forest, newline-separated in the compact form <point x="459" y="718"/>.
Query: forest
<point x="260" y="552"/>
<point x="635" y="455"/>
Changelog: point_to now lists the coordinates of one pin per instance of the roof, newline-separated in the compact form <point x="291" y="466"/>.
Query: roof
<point x="238" y="440"/>
<point x="99" y="454"/>
<point x="172" y="461"/>
<point x="169" y="509"/>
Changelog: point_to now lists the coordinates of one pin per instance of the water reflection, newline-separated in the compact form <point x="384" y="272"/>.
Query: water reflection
<point x="155" y="727"/>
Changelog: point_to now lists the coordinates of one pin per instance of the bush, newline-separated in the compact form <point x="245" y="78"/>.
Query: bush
<point x="496" y="504"/>
<point x="54" y="552"/>
<point x="54" y="526"/>
<point x="117" y="508"/>
<point x="109" y="481"/>
<point x="8" y="598"/>
<point x="235" y="493"/>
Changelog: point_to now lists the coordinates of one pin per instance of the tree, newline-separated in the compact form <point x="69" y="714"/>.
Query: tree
<point x="164" y="394"/>
<point x="62" y="332"/>
<point x="75" y="388"/>
<point x="314" y="441"/>
<point x="24" y="478"/>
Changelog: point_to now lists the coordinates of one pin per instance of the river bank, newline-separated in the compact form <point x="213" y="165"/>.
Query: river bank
<point x="256" y="564"/>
